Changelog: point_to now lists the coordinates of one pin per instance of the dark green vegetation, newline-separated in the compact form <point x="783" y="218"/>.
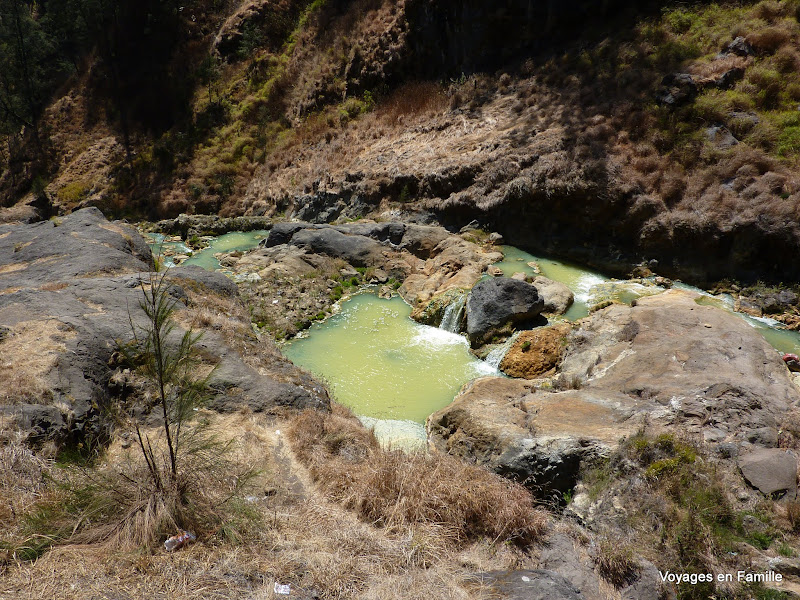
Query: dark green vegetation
<point x="136" y="60"/>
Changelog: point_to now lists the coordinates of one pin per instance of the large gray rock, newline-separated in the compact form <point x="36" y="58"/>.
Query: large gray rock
<point x="770" y="470"/>
<point x="63" y="313"/>
<point x="692" y="366"/>
<point x="281" y="233"/>
<point x="535" y="584"/>
<point x="81" y="244"/>
<point x="391" y="232"/>
<point x="667" y="363"/>
<point x="556" y="296"/>
<point x="495" y="303"/>
<point x="535" y="437"/>
<point x="560" y="555"/>
<point x="648" y="585"/>
<point x="210" y="280"/>
<point x="39" y="421"/>
<point x="421" y="240"/>
<point x="358" y="250"/>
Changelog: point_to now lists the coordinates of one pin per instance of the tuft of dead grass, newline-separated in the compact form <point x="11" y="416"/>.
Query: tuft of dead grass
<point x="434" y="496"/>
<point x="27" y="356"/>
<point x="615" y="562"/>
<point x="23" y="477"/>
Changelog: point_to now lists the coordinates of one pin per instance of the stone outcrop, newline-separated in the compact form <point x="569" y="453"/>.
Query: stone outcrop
<point x="494" y="304"/>
<point x="668" y="362"/>
<point x="557" y="297"/>
<point x="536" y="353"/>
<point x="770" y="470"/>
<point x="429" y="260"/>
<point x="188" y="225"/>
<point x="706" y="369"/>
<point x="533" y="436"/>
<point x="69" y="290"/>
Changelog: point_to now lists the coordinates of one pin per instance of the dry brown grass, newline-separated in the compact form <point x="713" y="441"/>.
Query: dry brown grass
<point x="438" y="495"/>
<point x="793" y="514"/>
<point x="27" y="356"/>
<point x="770" y="39"/>
<point x="22" y="478"/>
<point x="288" y="533"/>
<point x="615" y="562"/>
<point x="413" y="98"/>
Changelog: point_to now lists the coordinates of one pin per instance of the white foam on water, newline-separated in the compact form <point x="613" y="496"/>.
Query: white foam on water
<point x="397" y="433"/>
<point x="765" y="320"/>
<point x="453" y="314"/>
<point x="583" y="286"/>
<point x="495" y="357"/>
<point x="436" y="338"/>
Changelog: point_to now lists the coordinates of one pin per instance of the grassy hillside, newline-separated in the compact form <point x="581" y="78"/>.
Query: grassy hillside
<point x="646" y="122"/>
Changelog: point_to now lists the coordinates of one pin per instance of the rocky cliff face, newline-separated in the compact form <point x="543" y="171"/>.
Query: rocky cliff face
<point x="668" y="134"/>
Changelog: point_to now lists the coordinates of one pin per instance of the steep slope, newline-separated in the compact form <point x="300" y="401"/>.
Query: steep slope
<point x="664" y="135"/>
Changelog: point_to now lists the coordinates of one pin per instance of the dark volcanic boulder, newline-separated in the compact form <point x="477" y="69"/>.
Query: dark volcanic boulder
<point x="282" y="233"/>
<point x="677" y="89"/>
<point x="358" y="250"/>
<point x="69" y="292"/>
<point x="82" y="244"/>
<point x="494" y="303"/>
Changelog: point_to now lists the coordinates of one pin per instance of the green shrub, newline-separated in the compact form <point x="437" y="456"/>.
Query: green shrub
<point x="788" y="142"/>
<point x="73" y="192"/>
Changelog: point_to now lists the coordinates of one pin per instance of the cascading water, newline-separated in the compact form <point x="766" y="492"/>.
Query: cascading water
<point x="495" y="357"/>
<point x="454" y="315"/>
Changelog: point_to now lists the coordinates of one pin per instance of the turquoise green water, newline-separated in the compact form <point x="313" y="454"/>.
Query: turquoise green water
<point x="382" y="364"/>
<point x="230" y="242"/>
<point x="590" y="288"/>
<point x="394" y="372"/>
<point x="158" y="247"/>
<point x="578" y="279"/>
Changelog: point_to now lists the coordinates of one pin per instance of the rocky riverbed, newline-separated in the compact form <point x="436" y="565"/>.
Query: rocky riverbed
<point x="623" y="422"/>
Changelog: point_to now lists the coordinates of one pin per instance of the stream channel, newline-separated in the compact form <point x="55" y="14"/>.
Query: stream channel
<point x="393" y="372"/>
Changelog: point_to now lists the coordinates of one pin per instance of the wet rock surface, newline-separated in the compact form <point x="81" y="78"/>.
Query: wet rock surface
<point x="536" y="353"/>
<point x="557" y="297"/>
<point x="535" y="584"/>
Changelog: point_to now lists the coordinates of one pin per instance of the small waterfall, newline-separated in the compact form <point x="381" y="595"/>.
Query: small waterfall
<point x="495" y="357"/>
<point x="454" y="314"/>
